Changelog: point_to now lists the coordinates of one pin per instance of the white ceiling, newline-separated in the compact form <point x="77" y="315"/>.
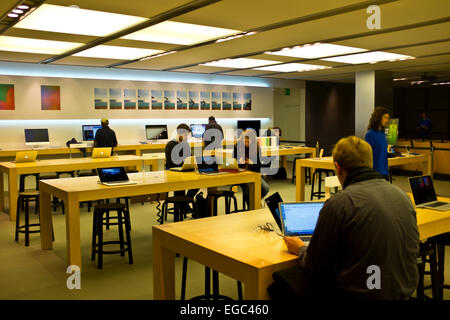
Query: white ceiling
<point x="412" y="27"/>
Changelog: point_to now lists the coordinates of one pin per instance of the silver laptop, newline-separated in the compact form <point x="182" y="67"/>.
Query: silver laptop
<point x="298" y="219"/>
<point x="114" y="176"/>
<point x="424" y="195"/>
<point x="188" y="165"/>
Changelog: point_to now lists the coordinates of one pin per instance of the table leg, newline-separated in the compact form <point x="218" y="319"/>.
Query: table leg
<point x="2" y="193"/>
<point x="426" y="166"/>
<point x="72" y="210"/>
<point x="45" y="212"/>
<point x="12" y="188"/>
<point x="284" y="162"/>
<point x="255" y="194"/>
<point x="163" y="269"/>
<point x="255" y="288"/>
<point x="300" y="182"/>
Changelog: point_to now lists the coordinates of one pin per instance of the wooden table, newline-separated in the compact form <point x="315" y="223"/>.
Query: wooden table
<point x="327" y="163"/>
<point x="13" y="170"/>
<point x="74" y="190"/>
<point x="230" y="245"/>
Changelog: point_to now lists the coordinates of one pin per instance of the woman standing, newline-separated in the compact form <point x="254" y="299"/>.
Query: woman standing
<point x="376" y="137"/>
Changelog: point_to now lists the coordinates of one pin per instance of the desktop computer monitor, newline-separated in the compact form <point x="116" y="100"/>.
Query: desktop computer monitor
<point x="249" y="124"/>
<point x="36" y="137"/>
<point x="198" y="130"/>
<point x="156" y="132"/>
<point x="89" y="132"/>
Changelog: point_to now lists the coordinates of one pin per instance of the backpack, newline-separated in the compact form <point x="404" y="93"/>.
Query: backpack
<point x="201" y="207"/>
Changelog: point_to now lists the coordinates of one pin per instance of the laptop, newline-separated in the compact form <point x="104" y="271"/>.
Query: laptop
<point x="188" y="165"/>
<point x="113" y="176"/>
<point x="98" y="153"/>
<point x="230" y="165"/>
<point x="298" y="219"/>
<point x="424" y="195"/>
<point x="26" y="156"/>
<point x="273" y="202"/>
<point x="208" y="166"/>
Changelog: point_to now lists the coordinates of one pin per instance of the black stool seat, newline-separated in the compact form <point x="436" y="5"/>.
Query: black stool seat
<point x="71" y="173"/>
<point x="48" y="176"/>
<point x="228" y="195"/>
<point x="23" y="201"/>
<point x="177" y="201"/>
<point x="22" y="180"/>
<point x="123" y="219"/>
<point x="86" y="173"/>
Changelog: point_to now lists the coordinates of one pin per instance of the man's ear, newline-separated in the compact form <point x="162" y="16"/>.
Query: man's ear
<point x="338" y="167"/>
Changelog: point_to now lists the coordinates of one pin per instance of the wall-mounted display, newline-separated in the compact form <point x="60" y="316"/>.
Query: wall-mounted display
<point x="143" y="99"/>
<point x="247" y="104"/>
<point x="205" y="100"/>
<point x="7" y="97"/>
<point x="226" y="101"/>
<point x="100" y="98"/>
<point x="237" y="101"/>
<point x="193" y="100"/>
<point x="216" y="100"/>
<point x="182" y="100"/>
<point x="115" y="98"/>
<point x="50" y="98"/>
<point x="169" y="100"/>
<point x="157" y="102"/>
<point x="129" y="98"/>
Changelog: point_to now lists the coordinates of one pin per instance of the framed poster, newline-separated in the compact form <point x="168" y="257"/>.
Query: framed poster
<point x="169" y="100"/>
<point x="182" y="100"/>
<point x="226" y="101"/>
<point x="129" y="98"/>
<point x="50" y="98"/>
<point x="193" y="100"/>
<point x="143" y="99"/>
<point x="7" y="97"/>
<point x="216" y="100"/>
<point x="247" y="103"/>
<point x="237" y="101"/>
<point x="100" y="98"/>
<point x="157" y="103"/>
<point x="205" y="100"/>
<point x="115" y="98"/>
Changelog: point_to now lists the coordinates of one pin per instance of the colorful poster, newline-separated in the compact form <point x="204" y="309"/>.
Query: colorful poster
<point x="115" y="98"/>
<point x="392" y="132"/>
<point x="157" y="102"/>
<point x="7" y="97"/>
<point x="226" y="101"/>
<point x="237" y="101"/>
<point x="143" y="99"/>
<point x="129" y="98"/>
<point x="247" y="101"/>
<point x="50" y="98"/>
<point x="100" y="98"/>
<point x="205" y="100"/>
<point x="182" y="100"/>
<point x="193" y="100"/>
<point x="216" y="100"/>
<point x="169" y="100"/>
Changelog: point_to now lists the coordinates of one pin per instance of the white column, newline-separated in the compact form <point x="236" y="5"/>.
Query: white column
<point x="364" y="100"/>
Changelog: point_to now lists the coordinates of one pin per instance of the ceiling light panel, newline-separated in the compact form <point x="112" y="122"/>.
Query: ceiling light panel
<point x="76" y="21"/>
<point x="318" y="50"/>
<point x="239" y="63"/>
<point x="17" y="44"/>
<point x="179" y="33"/>
<point x="369" y="57"/>
<point x="292" y="67"/>
<point x="115" y="52"/>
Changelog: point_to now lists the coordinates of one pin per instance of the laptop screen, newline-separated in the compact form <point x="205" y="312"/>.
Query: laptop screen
<point x="299" y="218"/>
<point x="273" y="202"/>
<point x="112" y="174"/>
<point x="422" y="189"/>
<point x="207" y="164"/>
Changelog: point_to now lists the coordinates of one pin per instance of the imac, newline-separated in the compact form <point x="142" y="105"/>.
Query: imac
<point x="36" y="137"/>
<point x="156" y="132"/>
<point x="249" y="124"/>
<point x="89" y="132"/>
<point x="198" y="130"/>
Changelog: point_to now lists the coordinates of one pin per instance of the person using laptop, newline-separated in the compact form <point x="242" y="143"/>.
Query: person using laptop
<point x="105" y="136"/>
<point x="213" y="133"/>
<point x="365" y="243"/>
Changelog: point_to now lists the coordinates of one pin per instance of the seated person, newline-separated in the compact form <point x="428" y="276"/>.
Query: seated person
<point x="366" y="242"/>
<point x="247" y="152"/>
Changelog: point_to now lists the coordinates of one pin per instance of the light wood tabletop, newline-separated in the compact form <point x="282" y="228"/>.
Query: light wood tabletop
<point x="13" y="170"/>
<point x="233" y="245"/>
<point x="327" y="163"/>
<point x="74" y="190"/>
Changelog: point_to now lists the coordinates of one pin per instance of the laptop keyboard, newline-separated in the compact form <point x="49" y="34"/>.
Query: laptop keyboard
<point x="436" y="204"/>
<point x="305" y="238"/>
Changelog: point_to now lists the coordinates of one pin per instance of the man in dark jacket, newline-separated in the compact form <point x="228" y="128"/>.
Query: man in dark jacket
<point x="105" y="137"/>
<point x="366" y="242"/>
<point x="213" y="133"/>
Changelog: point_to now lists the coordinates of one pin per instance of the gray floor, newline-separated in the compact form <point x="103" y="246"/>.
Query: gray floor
<point x="32" y="273"/>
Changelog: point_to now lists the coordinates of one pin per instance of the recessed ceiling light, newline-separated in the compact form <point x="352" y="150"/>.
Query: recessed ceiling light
<point x="239" y="63"/>
<point x="179" y="33"/>
<point x="23" y="6"/>
<point x="369" y="57"/>
<point x="292" y="67"/>
<point x="13" y="15"/>
<point x="17" y="11"/>
<point x="318" y="50"/>
<point x="16" y="44"/>
<point x="115" y="52"/>
<point x="76" y="21"/>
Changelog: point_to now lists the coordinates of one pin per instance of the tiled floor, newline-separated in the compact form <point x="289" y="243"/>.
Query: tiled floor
<point x="31" y="273"/>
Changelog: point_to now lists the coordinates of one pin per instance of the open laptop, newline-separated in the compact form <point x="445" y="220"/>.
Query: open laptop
<point x="188" y="165"/>
<point x="98" y="153"/>
<point x="26" y="156"/>
<point x="208" y="166"/>
<point x="299" y="218"/>
<point x="113" y="176"/>
<point x="230" y="165"/>
<point x="424" y="195"/>
<point x="273" y="202"/>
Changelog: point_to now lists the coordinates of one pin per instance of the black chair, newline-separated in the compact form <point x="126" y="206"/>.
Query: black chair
<point x="228" y="196"/>
<point x="307" y="171"/>
<point x="441" y="241"/>
<point x="319" y="194"/>
<point x="427" y="254"/>
<point x="178" y="202"/>
<point x="123" y="219"/>
<point x="22" y="181"/>
<point x="244" y="206"/>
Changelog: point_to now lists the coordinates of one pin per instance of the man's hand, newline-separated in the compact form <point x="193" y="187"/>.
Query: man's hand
<point x="293" y="244"/>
